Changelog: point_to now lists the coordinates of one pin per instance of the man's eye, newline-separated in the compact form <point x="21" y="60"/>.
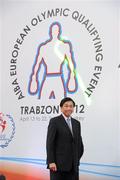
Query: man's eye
<point x="68" y="106"/>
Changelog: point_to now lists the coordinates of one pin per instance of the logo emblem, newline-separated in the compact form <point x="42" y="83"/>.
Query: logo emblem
<point x="55" y="56"/>
<point x="7" y="129"/>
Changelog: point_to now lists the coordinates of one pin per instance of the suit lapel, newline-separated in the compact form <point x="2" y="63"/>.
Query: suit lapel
<point x="73" y="127"/>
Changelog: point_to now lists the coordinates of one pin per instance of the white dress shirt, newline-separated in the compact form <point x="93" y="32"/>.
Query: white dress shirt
<point x="68" y="121"/>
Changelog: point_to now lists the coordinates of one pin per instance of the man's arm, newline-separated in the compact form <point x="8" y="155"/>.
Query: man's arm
<point x="72" y="83"/>
<point x="50" y="145"/>
<point x="34" y="80"/>
<point x="80" y="142"/>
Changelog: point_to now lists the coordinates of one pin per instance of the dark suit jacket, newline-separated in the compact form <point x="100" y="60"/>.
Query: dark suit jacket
<point x="63" y="148"/>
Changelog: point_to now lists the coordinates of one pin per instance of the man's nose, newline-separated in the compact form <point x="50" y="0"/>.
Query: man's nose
<point x="69" y="108"/>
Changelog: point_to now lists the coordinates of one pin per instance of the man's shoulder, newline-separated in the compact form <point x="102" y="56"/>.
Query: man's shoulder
<point x="76" y="121"/>
<point x="54" y="119"/>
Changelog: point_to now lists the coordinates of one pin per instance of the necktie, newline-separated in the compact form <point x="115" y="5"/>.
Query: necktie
<point x="69" y="125"/>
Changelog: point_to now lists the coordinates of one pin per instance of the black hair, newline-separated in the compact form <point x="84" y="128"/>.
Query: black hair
<point x="65" y="100"/>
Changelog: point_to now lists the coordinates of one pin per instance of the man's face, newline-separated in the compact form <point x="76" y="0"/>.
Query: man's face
<point x="67" y="108"/>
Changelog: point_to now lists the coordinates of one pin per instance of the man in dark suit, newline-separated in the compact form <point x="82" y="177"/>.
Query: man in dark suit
<point x="64" y="144"/>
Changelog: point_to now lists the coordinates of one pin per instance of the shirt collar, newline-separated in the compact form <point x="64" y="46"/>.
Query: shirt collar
<point x="66" y="117"/>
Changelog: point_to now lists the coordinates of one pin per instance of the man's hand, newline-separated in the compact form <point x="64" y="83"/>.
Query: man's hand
<point x="72" y="83"/>
<point x="33" y="86"/>
<point x="53" y="167"/>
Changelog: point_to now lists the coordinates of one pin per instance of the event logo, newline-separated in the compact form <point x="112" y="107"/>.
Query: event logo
<point x="60" y="66"/>
<point x="54" y="55"/>
<point x="7" y="129"/>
